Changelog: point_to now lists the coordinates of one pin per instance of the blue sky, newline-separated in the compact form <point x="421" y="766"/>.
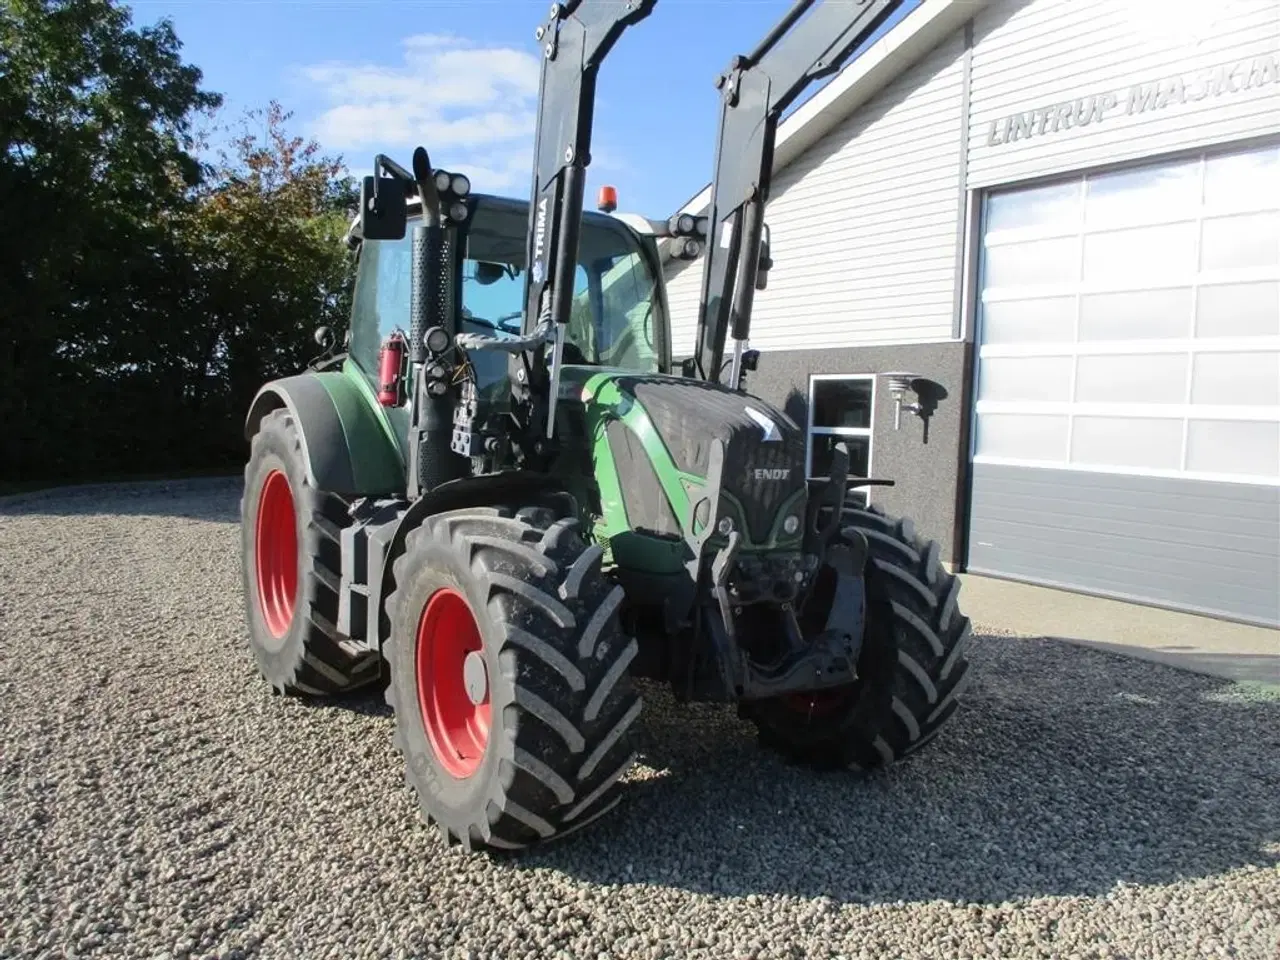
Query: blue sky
<point x="460" y="77"/>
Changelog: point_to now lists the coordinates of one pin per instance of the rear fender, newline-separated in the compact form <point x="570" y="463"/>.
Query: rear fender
<point x="347" y="447"/>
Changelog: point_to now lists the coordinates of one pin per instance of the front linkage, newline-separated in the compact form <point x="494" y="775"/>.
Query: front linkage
<point x="728" y="584"/>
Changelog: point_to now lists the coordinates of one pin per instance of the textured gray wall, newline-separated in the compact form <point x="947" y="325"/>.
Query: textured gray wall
<point x="926" y="474"/>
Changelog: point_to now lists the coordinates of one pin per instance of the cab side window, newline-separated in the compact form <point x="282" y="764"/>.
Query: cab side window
<point x="492" y="298"/>
<point x="380" y="301"/>
<point x="628" y="293"/>
<point x="583" y="325"/>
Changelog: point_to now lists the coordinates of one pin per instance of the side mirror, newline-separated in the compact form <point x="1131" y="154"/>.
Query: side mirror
<point x="487" y="273"/>
<point x="383" y="208"/>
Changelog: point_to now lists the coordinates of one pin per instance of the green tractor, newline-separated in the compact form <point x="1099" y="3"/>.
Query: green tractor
<point x="512" y="509"/>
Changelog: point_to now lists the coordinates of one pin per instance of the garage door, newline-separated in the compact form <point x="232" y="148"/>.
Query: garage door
<point x="1127" y="410"/>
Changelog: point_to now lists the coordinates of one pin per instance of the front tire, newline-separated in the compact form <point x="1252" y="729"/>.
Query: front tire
<point x="291" y="562"/>
<point x="912" y="668"/>
<point x="508" y="677"/>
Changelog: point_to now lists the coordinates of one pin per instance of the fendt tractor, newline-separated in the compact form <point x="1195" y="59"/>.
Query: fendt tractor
<point x="510" y="512"/>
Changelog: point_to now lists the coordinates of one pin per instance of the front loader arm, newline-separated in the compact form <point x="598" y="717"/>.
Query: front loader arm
<point x="755" y="91"/>
<point x="575" y="40"/>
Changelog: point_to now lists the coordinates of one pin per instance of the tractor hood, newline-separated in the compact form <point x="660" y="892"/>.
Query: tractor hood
<point x="657" y="431"/>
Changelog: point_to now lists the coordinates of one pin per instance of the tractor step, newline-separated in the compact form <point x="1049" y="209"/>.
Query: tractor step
<point x="364" y="552"/>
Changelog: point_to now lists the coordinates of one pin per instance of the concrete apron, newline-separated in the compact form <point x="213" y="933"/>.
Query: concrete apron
<point x="1206" y="645"/>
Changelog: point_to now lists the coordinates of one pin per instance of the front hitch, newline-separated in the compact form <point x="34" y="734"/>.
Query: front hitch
<point x="830" y="495"/>
<point x="825" y="658"/>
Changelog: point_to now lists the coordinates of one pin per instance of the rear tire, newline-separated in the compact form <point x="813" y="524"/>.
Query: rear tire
<point x="508" y="677"/>
<point x="912" y="668"/>
<point x="291" y="563"/>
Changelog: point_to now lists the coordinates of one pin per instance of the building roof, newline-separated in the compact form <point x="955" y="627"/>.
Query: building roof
<point x="918" y="32"/>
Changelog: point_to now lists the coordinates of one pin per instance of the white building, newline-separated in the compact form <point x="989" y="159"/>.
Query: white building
<point x="1067" y="214"/>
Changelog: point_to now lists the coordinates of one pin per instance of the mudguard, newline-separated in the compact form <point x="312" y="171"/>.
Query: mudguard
<point x="387" y="533"/>
<point x="348" y="447"/>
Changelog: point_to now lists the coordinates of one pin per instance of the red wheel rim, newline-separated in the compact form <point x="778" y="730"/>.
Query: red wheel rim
<point x="817" y="702"/>
<point x="456" y="726"/>
<point x="276" y="553"/>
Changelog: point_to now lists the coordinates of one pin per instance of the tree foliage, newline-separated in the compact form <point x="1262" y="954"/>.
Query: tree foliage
<point x="145" y="295"/>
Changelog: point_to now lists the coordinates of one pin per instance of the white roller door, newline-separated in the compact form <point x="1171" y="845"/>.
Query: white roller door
<point x="1127" y="415"/>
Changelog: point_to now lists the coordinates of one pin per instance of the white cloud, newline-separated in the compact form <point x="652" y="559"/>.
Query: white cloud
<point x="473" y="108"/>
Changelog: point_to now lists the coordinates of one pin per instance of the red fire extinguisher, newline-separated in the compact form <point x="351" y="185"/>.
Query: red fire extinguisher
<point x="390" y="364"/>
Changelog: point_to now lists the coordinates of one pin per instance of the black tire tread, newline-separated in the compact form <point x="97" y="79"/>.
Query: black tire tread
<point x="932" y="635"/>
<point x="913" y="666"/>
<point x="327" y="663"/>
<point x="573" y="700"/>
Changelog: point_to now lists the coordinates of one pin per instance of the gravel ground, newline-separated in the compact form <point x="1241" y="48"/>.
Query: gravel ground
<point x="157" y="801"/>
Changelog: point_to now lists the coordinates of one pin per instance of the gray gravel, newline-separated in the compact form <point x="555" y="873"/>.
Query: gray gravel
<point x="157" y="801"/>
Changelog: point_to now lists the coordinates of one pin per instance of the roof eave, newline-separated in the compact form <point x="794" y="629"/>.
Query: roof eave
<point x="919" y="32"/>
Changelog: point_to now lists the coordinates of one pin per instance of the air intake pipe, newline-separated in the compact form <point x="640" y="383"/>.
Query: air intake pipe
<point x="431" y="461"/>
<point x="428" y="288"/>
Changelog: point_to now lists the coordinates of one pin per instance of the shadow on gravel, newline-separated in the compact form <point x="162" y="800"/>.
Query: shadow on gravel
<point x="215" y="499"/>
<point x="367" y="702"/>
<point x="1069" y="771"/>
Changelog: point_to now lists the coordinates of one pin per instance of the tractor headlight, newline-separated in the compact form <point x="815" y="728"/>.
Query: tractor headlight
<point x="442" y="181"/>
<point x="791" y="524"/>
<point x="725" y="526"/>
<point x="460" y="185"/>
<point x="458" y="211"/>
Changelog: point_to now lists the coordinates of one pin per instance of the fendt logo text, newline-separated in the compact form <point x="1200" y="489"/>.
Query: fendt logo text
<point x="772" y="473"/>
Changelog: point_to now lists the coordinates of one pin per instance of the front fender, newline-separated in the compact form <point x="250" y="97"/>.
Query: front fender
<point x="347" y="448"/>
<point x="521" y="486"/>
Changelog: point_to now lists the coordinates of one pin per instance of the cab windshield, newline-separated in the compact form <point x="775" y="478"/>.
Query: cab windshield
<point x="615" y="319"/>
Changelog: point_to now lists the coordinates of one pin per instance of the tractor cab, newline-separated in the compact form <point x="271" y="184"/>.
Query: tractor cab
<point x="618" y="318"/>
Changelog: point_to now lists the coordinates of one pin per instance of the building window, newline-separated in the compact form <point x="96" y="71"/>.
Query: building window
<point x="841" y="409"/>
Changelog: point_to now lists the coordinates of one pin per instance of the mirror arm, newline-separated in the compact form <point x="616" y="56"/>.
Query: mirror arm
<point x="383" y="162"/>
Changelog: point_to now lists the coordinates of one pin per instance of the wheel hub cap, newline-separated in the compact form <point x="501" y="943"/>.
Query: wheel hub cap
<point x="453" y="683"/>
<point x="475" y="678"/>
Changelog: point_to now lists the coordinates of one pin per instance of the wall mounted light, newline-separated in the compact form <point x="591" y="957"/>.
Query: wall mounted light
<point x="925" y="395"/>
<point x="901" y="384"/>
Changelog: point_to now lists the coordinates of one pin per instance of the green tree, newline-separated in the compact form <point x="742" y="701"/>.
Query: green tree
<point x="95" y="127"/>
<point x="145" y="296"/>
<point x="265" y="239"/>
